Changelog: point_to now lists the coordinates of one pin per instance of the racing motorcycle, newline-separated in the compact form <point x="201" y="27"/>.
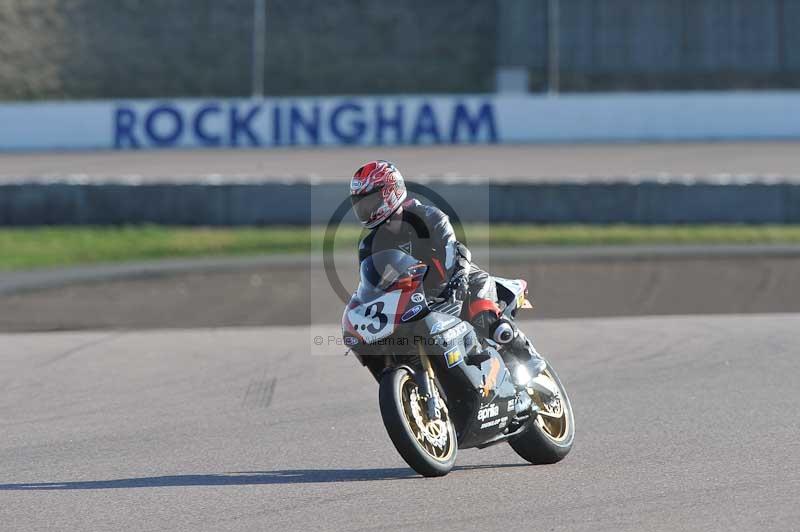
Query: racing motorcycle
<point x="442" y="387"/>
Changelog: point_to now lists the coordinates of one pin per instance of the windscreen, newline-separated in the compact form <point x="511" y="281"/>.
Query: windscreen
<point x="380" y="270"/>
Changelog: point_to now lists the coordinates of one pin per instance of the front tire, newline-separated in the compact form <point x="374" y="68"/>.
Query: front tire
<point x="549" y="438"/>
<point x="429" y="447"/>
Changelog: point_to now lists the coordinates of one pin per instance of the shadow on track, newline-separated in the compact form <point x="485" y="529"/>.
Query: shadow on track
<point x="242" y="478"/>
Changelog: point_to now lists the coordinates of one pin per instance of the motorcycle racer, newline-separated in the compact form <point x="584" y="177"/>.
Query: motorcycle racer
<point x="380" y="202"/>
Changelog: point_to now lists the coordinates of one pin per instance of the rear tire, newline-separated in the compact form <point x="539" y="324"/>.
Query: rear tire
<point x="396" y="390"/>
<point x="548" y="440"/>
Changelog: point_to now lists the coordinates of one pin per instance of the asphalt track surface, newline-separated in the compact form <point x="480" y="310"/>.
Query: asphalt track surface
<point x="294" y="290"/>
<point x="683" y="423"/>
<point x="722" y="161"/>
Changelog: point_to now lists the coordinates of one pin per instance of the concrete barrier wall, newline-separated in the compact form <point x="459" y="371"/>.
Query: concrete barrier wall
<point x="301" y="204"/>
<point x="398" y="120"/>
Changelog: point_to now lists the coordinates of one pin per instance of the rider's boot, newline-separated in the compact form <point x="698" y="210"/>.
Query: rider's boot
<point x="520" y="349"/>
<point x="517" y="350"/>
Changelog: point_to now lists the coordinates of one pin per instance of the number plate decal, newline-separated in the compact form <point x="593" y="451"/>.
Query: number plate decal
<point x="375" y="319"/>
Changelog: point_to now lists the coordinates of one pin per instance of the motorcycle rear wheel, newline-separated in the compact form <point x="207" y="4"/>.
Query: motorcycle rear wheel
<point x="549" y="439"/>
<point x="429" y="447"/>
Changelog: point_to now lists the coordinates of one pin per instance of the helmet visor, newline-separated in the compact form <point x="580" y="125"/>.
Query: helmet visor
<point x="366" y="206"/>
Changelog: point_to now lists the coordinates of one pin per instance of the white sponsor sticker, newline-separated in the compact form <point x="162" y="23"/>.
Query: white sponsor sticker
<point x="488" y="411"/>
<point x="375" y="319"/>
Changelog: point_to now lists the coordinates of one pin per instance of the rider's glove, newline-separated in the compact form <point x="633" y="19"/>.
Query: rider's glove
<point x="458" y="287"/>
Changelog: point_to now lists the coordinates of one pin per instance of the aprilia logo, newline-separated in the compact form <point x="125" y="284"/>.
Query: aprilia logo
<point x="488" y="411"/>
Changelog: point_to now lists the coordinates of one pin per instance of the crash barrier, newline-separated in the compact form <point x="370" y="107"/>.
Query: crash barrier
<point x="398" y="120"/>
<point x="647" y="202"/>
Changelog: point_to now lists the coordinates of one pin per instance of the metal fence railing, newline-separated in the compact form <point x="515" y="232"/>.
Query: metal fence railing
<point x="133" y="48"/>
<point x="662" y="44"/>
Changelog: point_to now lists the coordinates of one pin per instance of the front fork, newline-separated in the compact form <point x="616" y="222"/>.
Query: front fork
<point x="427" y="387"/>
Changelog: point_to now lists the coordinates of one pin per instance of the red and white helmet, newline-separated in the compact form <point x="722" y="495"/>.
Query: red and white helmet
<point x="376" y="191"/>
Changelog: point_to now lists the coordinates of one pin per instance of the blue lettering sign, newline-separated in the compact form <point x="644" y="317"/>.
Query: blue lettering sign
<point x="174" y="128"/>
<point x="356" y="126"/>
<point x="351" y="121"/>
<point x="462" y="119"/>
<point x="425" y="125"/>
<point x="276" y="126"/>
<point x="124" y="122"/>
<point x="310" y="126"/>
<point x="242" y="125"/>
<point x="394" y="122"/>
<point x="205" y="138"/>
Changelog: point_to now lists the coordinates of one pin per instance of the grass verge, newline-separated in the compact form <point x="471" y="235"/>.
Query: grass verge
<point x="40" y="247"/>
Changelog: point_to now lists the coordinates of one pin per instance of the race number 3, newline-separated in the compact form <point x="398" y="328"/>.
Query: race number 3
<point x="375" y="311"/>
<point x="375" y="319"/>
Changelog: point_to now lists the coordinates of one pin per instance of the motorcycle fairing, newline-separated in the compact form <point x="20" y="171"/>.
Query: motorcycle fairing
<point x="513" y="293"/>
<point x="375" y="313"/>
<point x="474" y="380"/>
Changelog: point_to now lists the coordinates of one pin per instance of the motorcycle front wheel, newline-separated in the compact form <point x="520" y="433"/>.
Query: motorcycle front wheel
<point x="549" y="438"/>
<point x="428" y="446"/>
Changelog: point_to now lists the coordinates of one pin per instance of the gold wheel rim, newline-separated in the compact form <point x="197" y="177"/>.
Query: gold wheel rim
<point x="553" y="419"/>
<point x="431" y="430"/>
